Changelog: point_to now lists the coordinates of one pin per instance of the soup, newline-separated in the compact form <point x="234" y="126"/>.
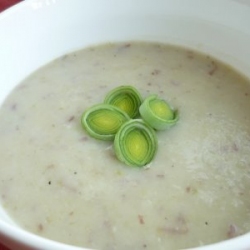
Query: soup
<point x="58" y="182"/>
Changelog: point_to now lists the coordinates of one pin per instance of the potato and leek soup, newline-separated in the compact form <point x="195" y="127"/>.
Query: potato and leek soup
<point x="59" y="182"/>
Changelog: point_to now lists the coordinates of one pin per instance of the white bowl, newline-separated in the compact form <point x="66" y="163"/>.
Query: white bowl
<point x="34" y="32"/>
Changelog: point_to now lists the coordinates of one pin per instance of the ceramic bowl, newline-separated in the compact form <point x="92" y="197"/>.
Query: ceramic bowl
<point x="35" y="32"/>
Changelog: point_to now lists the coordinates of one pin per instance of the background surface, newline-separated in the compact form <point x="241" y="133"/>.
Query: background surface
<point x="4" y="4"/>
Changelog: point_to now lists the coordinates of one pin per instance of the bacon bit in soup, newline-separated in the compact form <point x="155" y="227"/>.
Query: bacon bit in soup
<point x="190" y="54"/>
<point x="175" y="83"/>
<point x="127" y="45"/>
<point x="213" y="68"/>
<point x="188" y="189"/>
<point x="71" y="118"/>
<point x="103" y="86"/>
<point x="51" y="166"/>
<point x="191" y="190"/>
<point x="40" y="227"/>
<point x="123" y="47"/>
<point x="13" y="106"/>
<point x="155" y="72"/>
<point x="178" y="227"/>
<point x="232" y="231"/>
<point x="235" y="147"/>
<point x="141" y="219"/>
<point x="160" y="176"/>
<point x="84" y="138"/>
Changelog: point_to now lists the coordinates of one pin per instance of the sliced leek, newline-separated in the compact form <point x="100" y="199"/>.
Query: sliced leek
<point x="127" y="98"/>
<point x="135" y="143"/>
<point x="157" y="113"/>
<point x="135" y="140"/>
<point x="102" y="121"/>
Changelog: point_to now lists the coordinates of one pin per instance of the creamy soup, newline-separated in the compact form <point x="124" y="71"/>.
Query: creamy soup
<point x="59" y="183"/>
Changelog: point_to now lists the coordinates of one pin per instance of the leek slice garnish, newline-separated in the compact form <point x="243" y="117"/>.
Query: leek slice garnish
<point x="135" y="143"/>
<point x="102" y="121"/>
<point x="158" y="113"/>
<point x="127" y="98"/>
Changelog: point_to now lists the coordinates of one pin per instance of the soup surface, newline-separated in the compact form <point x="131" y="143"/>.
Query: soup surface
<point x="59" y="183"/>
